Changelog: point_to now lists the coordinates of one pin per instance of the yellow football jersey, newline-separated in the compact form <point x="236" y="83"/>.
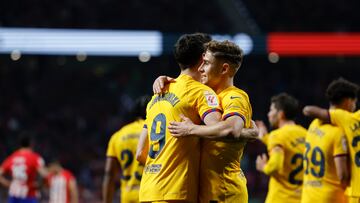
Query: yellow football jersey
<point x="321" y="184"/>
<point x="285" y="185"/>
<point x="350" y="123"/>
<point x="172" y="166"/>
<point x="122" y="146"/>
<point x="221" y="178"/>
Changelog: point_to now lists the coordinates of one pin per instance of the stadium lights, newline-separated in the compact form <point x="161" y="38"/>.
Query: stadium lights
<point x="74" y="41"/>
<point x="243" y="40"/>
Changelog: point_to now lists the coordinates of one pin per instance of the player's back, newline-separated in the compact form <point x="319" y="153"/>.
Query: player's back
<point x="23" y="166"/>
<point x="221" y="177"/>
<point x="350" y="123"/>
<point x="323" y="143"/>
<point x="172" y="165"/>
<point x="122" y="146"/>
<point x="285" y="185"/>
<point x="60" y="186"/>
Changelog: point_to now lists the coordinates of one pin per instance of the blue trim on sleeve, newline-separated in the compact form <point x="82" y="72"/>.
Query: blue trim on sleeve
<point x="234" y="114"/>
<point x="209" y="111"/>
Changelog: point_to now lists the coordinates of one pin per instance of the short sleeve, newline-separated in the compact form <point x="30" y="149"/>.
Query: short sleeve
<point x="204" y="100"/>
<point x="110" y="152"/>
<point x="340" y="144"/>
<point x="236" y="104"/>
<point x="339" y="117"/>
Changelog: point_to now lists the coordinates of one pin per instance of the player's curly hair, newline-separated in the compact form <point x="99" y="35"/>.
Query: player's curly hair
<point x="287" y="103"/>
<point x="189" y="49"/>
<point x="227" y="51"/>
<point x="341" y="89"/>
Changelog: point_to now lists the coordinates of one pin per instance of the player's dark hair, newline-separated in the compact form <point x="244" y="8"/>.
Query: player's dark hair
<point x="25" y="139"/>
<point x="189" y="49"/>
<point x="288" y="104"/>
<point x="138" y="110"/>
<point x="340" y="89"/>
<point x="227" y="51"/>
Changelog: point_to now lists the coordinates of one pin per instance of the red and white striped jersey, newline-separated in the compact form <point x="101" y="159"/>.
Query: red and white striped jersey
<point x="23" y="166"/>
<point x="59" y="186"/>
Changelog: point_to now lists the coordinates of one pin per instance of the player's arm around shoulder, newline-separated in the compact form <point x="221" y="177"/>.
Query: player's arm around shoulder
<point x="317" y="112"/>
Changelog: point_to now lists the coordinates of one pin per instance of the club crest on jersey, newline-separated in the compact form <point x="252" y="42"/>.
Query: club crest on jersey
<point x="211" y="99"/>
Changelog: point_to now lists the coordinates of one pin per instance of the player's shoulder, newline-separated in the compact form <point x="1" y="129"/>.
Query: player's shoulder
<point x="276" y="133"/>
<point x="68" y="174"/>
<point x="340" y="112"/>
<point x="299" y="128"/>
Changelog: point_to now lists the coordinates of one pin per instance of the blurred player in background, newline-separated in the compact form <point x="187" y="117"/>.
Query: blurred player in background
<point x="221" y="178"/>
<point x="172" y="165"/>
<point x="285" y="146"/>
<point x="121" y="157"/>
<point x="23" y="166"/>
<point x="62" y="184"/>
<point x="326" y="172"/>
<point x="349" y="121"/>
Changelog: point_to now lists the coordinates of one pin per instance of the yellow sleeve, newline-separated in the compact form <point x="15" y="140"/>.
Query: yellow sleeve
<point x="339" y="117"/>
<point x="274" y="140"/>
<point x="204" y="100"/>
<point x="110" y="152"/>
<point x="340" y="144"/>
<point x="275" y="162"/>
<point x="265" y="139"/>
<point x="239" y="105"/>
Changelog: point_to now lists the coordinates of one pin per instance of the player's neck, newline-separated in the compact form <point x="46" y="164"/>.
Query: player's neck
<point x="224" y="84"/>
<point x="283" y="123"/>
<point x="191" y="72"/>
<point x="25" y="149"/>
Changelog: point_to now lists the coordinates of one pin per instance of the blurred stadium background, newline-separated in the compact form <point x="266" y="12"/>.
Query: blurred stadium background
<point x="71" y="86"/>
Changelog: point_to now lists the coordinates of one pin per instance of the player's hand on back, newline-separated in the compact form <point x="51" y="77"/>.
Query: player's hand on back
<point x="160" y="82"/>
<point x="181" y="129"/>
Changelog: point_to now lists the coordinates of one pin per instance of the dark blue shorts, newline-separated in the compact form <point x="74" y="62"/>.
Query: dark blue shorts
<point x="21" y="200"/>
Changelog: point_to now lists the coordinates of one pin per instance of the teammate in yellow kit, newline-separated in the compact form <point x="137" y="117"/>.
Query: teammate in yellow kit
<point x="350" y="123"/>
<point x="221" y="178"/>
<point x="285" y="145"/>
<point x="121" y="157"/>
<point x="326" y="156"/>
<point x="172" y="165"/>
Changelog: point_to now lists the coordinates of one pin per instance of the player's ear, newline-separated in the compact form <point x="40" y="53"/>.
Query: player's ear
<point x="225" y="68"/>
<point x="281" y="114"/>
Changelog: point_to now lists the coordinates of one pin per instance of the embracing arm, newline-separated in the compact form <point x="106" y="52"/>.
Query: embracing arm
<point x="231" y="128"/>
<point x="317" y="112"/>
<point x="160" y="82"/>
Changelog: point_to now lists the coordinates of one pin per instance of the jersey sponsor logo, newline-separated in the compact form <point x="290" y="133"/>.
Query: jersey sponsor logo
<point x="211" y="99"/>
<point x="235" y="97"/>
<point x="313" y="183"/>
<point x="153" y="168"/>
